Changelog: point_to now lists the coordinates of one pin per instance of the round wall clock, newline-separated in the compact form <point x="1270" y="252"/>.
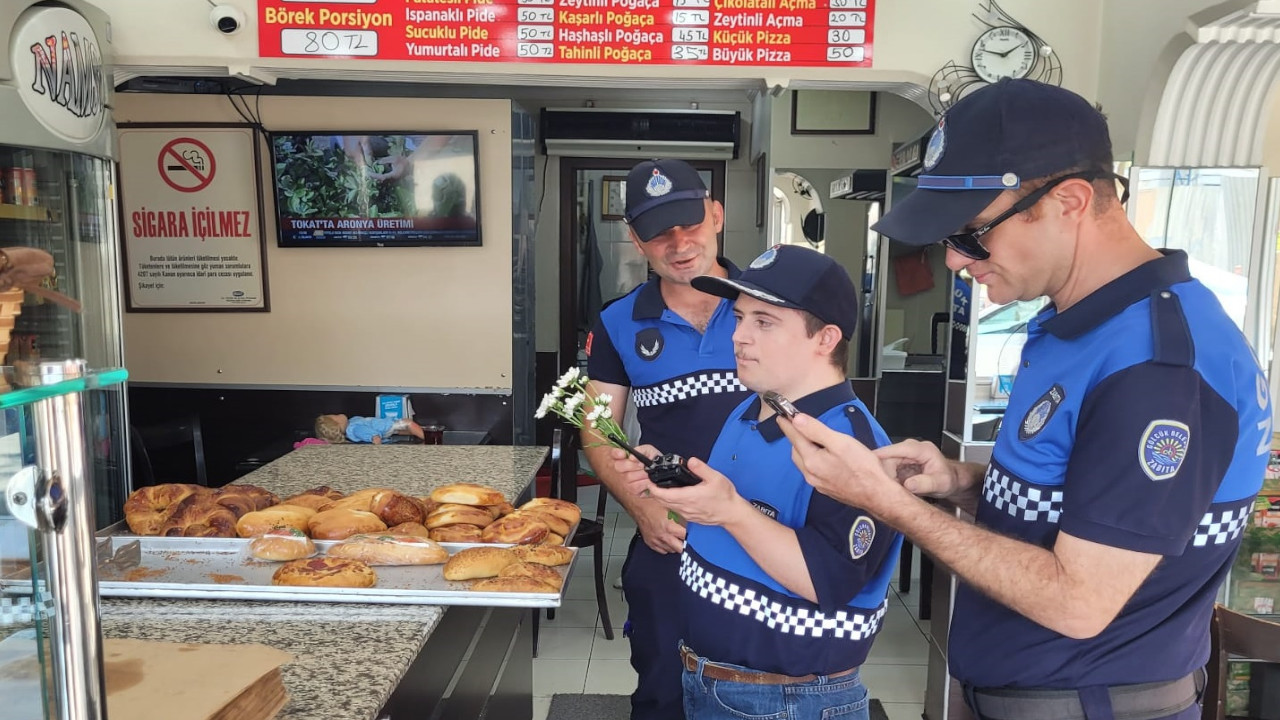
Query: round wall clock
<point x="1003" y="52"/>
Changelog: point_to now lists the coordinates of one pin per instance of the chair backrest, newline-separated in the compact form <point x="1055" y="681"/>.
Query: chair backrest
<point x="564" y="464"/>
<point x="150" y="441"/>
<point x="1234" y="633"/>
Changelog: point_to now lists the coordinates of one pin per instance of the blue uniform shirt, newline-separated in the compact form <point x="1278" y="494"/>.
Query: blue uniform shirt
<point x="735" y="612"/>
<point x="1140" y="420"/>
<point x="684" y="382"/>
<point x="364" y="429"/>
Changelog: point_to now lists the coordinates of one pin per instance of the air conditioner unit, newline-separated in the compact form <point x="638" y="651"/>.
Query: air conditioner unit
<point x="609" y="132"/>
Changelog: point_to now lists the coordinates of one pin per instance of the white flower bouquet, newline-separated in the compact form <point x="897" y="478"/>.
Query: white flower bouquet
<point x="569" y="398"/>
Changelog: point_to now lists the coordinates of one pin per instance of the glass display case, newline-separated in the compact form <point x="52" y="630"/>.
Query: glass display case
<point x="51" y="664"/>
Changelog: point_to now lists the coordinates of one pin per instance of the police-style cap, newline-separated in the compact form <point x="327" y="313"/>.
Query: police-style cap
<point x="662" y="194"/>
<point x="992" y="140"/>
<point x="794" y="277"/>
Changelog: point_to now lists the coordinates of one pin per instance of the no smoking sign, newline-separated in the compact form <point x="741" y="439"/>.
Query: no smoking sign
<point x="186" y="165"/>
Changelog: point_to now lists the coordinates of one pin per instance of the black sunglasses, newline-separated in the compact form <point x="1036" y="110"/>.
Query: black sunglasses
<point x="969" y="243"/>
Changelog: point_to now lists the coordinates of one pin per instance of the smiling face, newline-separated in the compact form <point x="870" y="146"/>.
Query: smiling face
<point x="681" y="253"/>
<point x="1027" y="254"/>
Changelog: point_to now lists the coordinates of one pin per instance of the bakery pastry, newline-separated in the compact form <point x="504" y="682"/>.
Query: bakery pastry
<point x="148" y="508"/>
<point x="351" y="502"/>
<point x="325" y="572"/>
<point x="277" y="516"/>
<point x="242" y="499"/>
<point x="557" y="525"/>
<point x="427" y="505"/>
<point x="513" y="584"/>
<point x="282" y="544"/>
<point x="502" y="509"/>
<point x="552" y="539"/>
<point x="456" y="534"/>
<point x="570" y="512"/>
<point x="514" y="528"/>
<point x="395" y="508"/>
<point x="388" y="549"/>
<point x="323" y="491"/>
<point x="446" y="515"/>
<point x="543" y="554"/>
<point x="467" y="494"/>
<point x="410" y="528"/>
<point x="200" y="516"/>
<point x="315" y="502"/>
<point x="542" y="573"/>
<point x="478" y="562"/>
<point x="342" y="524"/>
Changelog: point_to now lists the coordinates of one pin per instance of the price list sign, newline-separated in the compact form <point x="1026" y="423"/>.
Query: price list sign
<point x="830" y="33"/>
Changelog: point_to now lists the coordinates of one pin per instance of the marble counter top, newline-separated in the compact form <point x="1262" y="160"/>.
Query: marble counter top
<point x="347" y="658"/>
<point x="411" y="469"/>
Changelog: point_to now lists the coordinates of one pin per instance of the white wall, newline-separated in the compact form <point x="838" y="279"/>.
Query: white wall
<point x="382" y="317"/>
<point x="897" y="120"/>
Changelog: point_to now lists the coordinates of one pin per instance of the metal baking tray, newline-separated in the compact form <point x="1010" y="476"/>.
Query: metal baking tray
<point x="221" y="568"/>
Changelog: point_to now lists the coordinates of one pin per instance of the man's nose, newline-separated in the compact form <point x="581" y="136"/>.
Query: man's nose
<point x="957" y="261"/>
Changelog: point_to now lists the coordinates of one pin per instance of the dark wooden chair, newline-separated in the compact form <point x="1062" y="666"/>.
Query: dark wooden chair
<point x="148" y="443"/>
<point x="590" y="533"/>
<point x="1243" y="636"/>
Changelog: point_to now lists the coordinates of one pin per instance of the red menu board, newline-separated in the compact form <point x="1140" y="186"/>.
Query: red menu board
<point x="830" y="33"/>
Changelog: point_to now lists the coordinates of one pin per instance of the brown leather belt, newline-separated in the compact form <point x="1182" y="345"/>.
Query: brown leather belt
<point x="716" y="671"/>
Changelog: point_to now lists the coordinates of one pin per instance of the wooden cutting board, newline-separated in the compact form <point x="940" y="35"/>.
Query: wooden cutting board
<point x="149" y="680"/>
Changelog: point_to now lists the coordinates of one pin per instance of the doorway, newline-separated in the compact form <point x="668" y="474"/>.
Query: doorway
<point x="598" y="262"/>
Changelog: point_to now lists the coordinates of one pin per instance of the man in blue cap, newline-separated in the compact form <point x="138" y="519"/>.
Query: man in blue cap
<point x="670" y="348"/>
<point x="1134" y="443"/>
<point x="783" y="588"/>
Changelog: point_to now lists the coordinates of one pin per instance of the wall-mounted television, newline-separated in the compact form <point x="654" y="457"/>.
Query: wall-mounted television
<point x="363" y="189"/>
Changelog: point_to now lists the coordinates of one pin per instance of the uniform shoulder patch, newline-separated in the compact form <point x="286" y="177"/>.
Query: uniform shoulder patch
<point x="861" y="536"/>
<point x="1163" y="447"/>
<point x="649" y="343"/>
<point x="590" y="336"/>
<point x="1041" y="412"/>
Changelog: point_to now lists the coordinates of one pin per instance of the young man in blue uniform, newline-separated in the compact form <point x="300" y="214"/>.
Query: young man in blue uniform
<point x="670" y="347"/>
<point x="783" y="587"/>
<point x="1134" y="443"/>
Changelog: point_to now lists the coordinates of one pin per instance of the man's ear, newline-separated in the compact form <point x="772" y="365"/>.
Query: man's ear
<point x="1075" y="196"/>
<point x="828" y="337"/>
<point x="717" y="214"/>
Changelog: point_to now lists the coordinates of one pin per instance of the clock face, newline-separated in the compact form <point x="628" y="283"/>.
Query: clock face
<point x="1003" y="52"/>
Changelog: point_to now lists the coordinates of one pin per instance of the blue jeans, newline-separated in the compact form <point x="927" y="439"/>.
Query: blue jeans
<point x="844" y="697"/>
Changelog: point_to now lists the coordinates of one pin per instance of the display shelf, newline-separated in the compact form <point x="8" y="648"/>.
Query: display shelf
<point x="93" y="380"/>
<point x="38" y="213"/>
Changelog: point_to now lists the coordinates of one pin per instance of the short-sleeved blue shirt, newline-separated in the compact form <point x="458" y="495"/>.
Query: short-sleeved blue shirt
<point x="735" y="612"/>
<point x="684" y="382"/>
<point x="1139" y="419"/>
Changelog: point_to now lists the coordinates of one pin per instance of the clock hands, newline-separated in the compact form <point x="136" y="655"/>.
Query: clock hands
<point x="1006" y="53"/>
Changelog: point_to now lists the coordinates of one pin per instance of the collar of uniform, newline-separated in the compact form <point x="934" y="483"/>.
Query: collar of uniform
<point x="1109" y="300"/>
<point x="649" y="303"/>
<point x="813" y="404"/>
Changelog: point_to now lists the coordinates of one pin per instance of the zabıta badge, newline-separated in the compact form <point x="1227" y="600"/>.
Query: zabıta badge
<point x="1163" y="447"/>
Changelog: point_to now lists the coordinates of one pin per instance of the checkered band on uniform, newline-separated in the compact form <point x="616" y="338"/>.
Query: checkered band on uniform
<point x="1020" y="499"/>
<point x="790" y="618"/>
<point x="1222" y="526"/>
<point x="687" y="387"/>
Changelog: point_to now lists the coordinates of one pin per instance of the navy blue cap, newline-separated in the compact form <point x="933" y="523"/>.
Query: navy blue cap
<point x="794" y="277"/>
<point x="992" y="140"/>
<point x="662" y="194"/>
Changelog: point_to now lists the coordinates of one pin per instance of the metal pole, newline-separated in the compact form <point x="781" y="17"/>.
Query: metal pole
<point x="64" y="510"/>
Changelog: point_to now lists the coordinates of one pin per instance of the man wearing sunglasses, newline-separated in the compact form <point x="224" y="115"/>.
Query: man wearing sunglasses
<point x="1135" y="440"/>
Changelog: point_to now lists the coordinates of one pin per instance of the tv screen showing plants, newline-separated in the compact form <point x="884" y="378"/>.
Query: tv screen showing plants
<point x="376" y="189"/>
